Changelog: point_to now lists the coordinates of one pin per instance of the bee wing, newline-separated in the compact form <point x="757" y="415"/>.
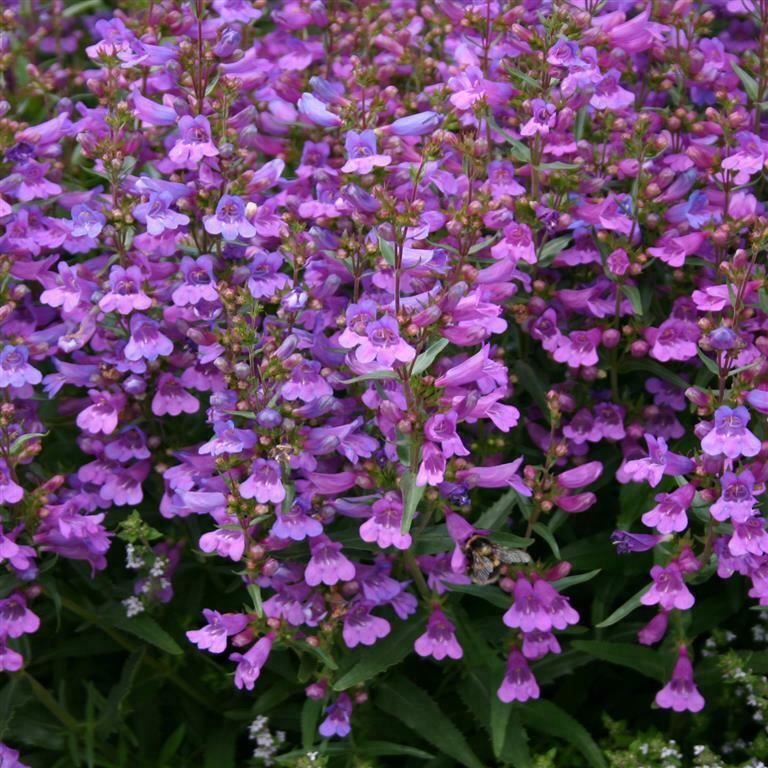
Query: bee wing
<point x="482" y="569"/>
<point x="511" y="556"/>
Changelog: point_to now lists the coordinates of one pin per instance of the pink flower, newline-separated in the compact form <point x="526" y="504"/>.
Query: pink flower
<point x="680" y="693"/>
<point x="518" y="684"/>
<point x="382" y="344"/>
<point x="250" y="663"/>
<point x="668" y="589"/>
<point x="193" y="143"/>
<point x="439" y="640"/>
<point x="327" y="565"/>
<point x="383" y="526"/>
<point x="264" y="483"/>
<point x="361" y="627"/>
<point x="213" y="637"/>
<point x="669" y="515"/>
<point x="578" y="348"/>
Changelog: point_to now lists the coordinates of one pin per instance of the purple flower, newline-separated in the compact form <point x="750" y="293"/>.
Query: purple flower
<point x="361" y="627"/>
<point x="9" y="758"/>
<point x="199" y="282"/>
<point x="578" y="348"/>
<point x="415" y="125"/>
<point x="10" y="661"/>
<point x="538" y="644"/>
<point x="542" y="119"/>
<point x="518" y="684"/>
<point x="730" y="437"/>
<point x="362" y="156"/>
<point x="306" y="383"/>
<point x="659" y="462"/>
<point x="327" y="565"/>
<point x="669" y="514"/>
<point x="10" y="493"/>
<point x="439" y="640"/>
<point x="229" y="221"/>
<point x="64" y="289"/>
<point x="317" y="112"/>
<point x="125" y="293"/>
<point x="296" y="524"/>
<point x="193" y="143"/>
<point x="158" y="215"/>
<point x="499" y="476"/>
<point x="225" y="542"/>
<point x="147" y="341"/>
<point x="680" y="693"/>
<point x="610" y="95"/>
<point x="266" y="279"/>
<point x="758" y="399"/>
<point x="86" y="222"/>
<point x="102" y="414"/>
<point x="737" y="500"/>
<point x="654" y="631"/>
<point x="749" y="537"/>
<point x="171" y="398"/>
<point x="15" y="371"/>
<point x="382" y="344"/>
<point x="250" y="663"/>
<point x="336" y="722"/>
<point x="213" y="637"/>
<point x="383" y="526"/>
<point x="626" y="542"/>
<point x="15" y="618"/>
<point x="668" y="589"/>
<point x="264" y="483"/>
<point x="470" y="87"/>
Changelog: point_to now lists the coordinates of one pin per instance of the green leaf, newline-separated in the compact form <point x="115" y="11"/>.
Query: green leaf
<point x="548" y="718"/>
<point x="383" y="655"/>
<point x="646" y="661"/>
<point x="477" y="247"/>
<point x="572" y="581"/>
<point x="633" y="294"/>
<point x="412" y="494"/>
<point x="171" y="746"/>
<point x="374" y="375"/>
<point x="498" y="511"/>
<point x="514" y="739"/>
<point x="254" y="590"/>
<point x="546" y="534"/>
<point x="387" y="251"/>
<point x="624" y="610"/>
<point x="749" y="82"/>
<point x="21" y="441"/>
<point x="77" y="9"/>
<point x="558" y="165"/>
<point x="426" y="358"/>
<point x="418" y="711"/>
<point x="709" y="363"/>
<point x="551" y="249"/>
<point x="530" y="381"/>
<point x="655" y="369"/>
<point x="485" y="592"/>
<point x="310" y="716"/>
<point x="143" y="627"/>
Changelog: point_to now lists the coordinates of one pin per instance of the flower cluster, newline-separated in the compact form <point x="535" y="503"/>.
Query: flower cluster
<point x="382" y="295"/>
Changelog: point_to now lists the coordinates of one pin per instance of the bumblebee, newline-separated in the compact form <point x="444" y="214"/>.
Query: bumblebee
<point x="487" y="559"/>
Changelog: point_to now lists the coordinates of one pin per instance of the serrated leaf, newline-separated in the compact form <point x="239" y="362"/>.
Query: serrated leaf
<point x="646" y="661"/>
<point x="426" y="358"/>
<point x="512" y="742"/>
<point x="624" y="610"/>
<point x="383" y="655"/>
<point x="548" y="718"/>
<point x="410" y="704"/>
<point x="709" y="363"/>
<point x="412" y="495"/>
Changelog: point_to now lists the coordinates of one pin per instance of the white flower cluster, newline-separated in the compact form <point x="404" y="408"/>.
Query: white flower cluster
<point x="267" y="744"/>
<point x="133" y="559"/>
<point x="133" y="606"/>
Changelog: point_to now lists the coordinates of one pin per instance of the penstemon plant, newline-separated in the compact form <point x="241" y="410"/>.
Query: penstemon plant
<point x="406" y="358"/>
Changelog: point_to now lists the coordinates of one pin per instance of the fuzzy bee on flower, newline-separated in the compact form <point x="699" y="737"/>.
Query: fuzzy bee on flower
<point x="487" y="560"/>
